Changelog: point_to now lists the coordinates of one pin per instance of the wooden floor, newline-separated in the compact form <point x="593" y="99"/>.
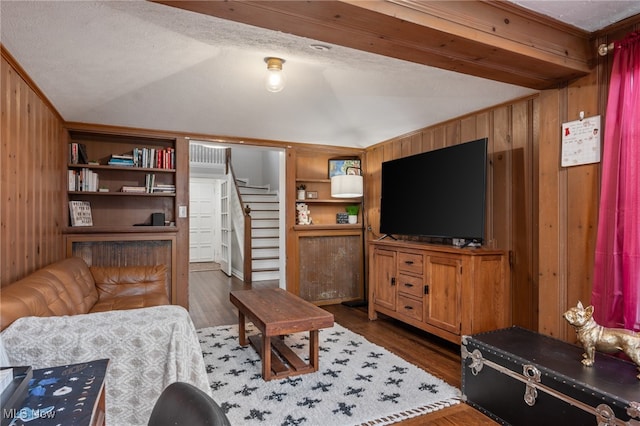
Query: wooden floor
<point x="210" y="306"/>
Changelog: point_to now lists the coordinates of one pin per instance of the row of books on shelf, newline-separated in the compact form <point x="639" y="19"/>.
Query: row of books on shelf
<point x="146" y="157"/>
<point x="86" y="180"/>
<point x="153" y="158"/>
<point x="150" y="186"/>
<point x="83" y="180"/>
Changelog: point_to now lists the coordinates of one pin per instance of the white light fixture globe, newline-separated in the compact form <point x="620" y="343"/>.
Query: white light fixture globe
<point x="275" y="80"/>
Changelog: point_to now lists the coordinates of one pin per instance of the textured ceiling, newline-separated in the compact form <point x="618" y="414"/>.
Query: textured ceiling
<point x="141" y="64"/>
<point x="589" y="15"/>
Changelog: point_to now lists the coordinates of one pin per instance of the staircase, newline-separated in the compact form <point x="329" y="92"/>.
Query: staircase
<point x="265" y="230"/>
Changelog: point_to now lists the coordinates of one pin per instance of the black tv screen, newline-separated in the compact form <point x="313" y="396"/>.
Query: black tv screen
<point x="440" y="193"/>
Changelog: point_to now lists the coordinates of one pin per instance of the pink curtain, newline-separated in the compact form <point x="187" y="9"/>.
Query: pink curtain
<point x="616" y="281"/>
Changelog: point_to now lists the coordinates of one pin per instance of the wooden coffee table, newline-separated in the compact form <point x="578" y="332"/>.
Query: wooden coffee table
<point x="276" y="312"/>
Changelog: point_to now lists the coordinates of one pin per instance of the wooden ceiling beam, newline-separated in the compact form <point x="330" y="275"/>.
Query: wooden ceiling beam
<point x="496" y="40"/>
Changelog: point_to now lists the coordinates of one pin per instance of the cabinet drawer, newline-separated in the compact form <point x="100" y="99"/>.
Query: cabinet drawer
<point x="410" y="262"/>
<point x="409" y="307"/>
<point x="410" y="285"/>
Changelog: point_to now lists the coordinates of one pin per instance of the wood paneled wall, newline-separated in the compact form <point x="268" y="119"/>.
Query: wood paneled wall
<point x="569" y="197"/>
<point x="568" y="200"/>
<point x="31" y="160"/>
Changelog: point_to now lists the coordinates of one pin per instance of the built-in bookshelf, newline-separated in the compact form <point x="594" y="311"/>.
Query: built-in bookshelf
<point x="124" y="178"/>
<point x="130" y="181"/>
<point x="312" y="174"/>
<point x="328" y="253"/>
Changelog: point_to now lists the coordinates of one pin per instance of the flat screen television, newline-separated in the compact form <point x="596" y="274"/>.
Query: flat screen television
<point x="440" y="193"/>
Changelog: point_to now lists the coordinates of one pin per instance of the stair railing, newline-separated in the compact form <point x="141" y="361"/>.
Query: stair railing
<point x="243" y="227"/>
<point x="248" y="247"/>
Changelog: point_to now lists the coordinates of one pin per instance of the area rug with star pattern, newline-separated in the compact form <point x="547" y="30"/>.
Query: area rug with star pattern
<point x="357" y="382"/>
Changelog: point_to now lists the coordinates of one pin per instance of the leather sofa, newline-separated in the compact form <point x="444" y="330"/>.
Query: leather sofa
<point x="71" y="287"/>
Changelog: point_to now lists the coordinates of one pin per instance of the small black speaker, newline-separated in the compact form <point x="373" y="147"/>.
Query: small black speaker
<point x="157" y="219"/>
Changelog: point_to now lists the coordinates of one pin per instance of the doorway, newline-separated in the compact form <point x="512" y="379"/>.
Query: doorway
<point x="204" y="238"/>
<point x="254" y="166"/>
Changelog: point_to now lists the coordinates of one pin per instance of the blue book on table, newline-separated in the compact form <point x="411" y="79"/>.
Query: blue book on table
<point x="63" y="395"/>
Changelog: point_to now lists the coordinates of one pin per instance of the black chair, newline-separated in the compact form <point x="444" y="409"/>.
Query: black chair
<point x="184" y="404"/>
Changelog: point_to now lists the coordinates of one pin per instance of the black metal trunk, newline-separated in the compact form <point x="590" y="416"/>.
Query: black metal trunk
<point x="519" y="377"/>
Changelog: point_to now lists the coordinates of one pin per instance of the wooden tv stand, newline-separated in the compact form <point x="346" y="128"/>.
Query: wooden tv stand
<point x="444" y="290"/>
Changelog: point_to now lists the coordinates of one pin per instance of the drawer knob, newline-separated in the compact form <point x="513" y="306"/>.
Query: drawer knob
<point x="408" y="285"/>
<point x="408" y="308"/>
<point x="409" y="262"/>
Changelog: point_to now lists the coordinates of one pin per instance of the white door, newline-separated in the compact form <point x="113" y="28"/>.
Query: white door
<point x="225" y="227"/>
<point x="202" y="229"/>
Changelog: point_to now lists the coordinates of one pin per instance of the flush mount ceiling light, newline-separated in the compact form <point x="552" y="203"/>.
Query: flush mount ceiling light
<point x="274" y="81"/>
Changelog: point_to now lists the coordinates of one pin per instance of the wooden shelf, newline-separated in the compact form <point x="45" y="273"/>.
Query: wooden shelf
<point x="119" y="168"/>
<point x="330" y="201"/>
<point x="312" y="180"/>
<point x="118" y="229"/>
<point x="328" y="227"/>
<point x="122" y="194"/>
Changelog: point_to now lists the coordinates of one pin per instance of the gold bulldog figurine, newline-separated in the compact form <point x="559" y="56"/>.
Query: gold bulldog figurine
<point x="596" y="337"/>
